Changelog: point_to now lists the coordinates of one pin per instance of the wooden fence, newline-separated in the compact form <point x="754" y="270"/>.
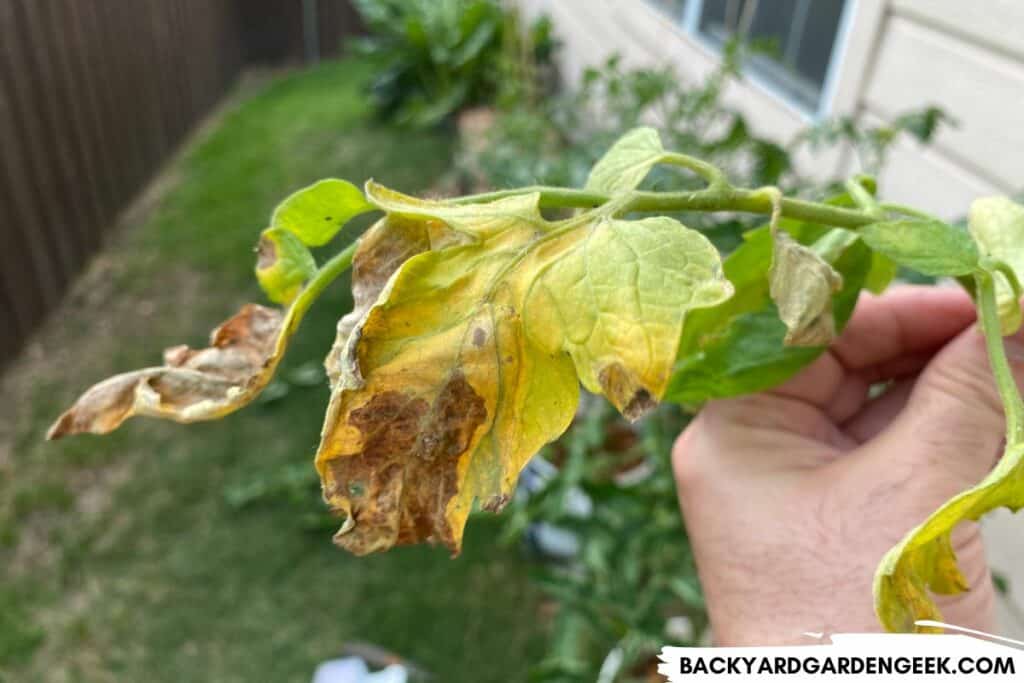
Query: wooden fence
<point x="94" y="95"/>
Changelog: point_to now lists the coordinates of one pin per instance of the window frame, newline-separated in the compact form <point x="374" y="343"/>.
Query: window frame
<point x="690" y="24"/>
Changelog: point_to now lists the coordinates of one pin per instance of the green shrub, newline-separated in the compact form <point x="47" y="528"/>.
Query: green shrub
<point x="435" y="57"/>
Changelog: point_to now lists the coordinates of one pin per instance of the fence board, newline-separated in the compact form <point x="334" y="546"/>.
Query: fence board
<point x="94" y="96"/>
<point x="28" y="166"/>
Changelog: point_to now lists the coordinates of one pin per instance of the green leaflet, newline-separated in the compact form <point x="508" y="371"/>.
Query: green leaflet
<point x="473" y="220"/>
<point x="628" y="161"/>
<point x="883" y="272"/>
<point x="316" y="213"/>
<point x="737" y="347"/>
<point x="283" y="265"/>
<point x="997" y="224"/>
<point x="927" y="246"/>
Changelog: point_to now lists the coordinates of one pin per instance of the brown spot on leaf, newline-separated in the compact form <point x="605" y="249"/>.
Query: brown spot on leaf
<point x="495" y="504"/>
<point x="390" y="424"/>
<point x="625" y="392"/>
<point x="638" y="406"/>
<point x="405" y="439"/>
<point x="479" y="337"/>
<point x="266" y="253"/>
<point x="454" y="417"/>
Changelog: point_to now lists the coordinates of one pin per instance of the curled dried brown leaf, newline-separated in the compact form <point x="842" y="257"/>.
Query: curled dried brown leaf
<point x="193" y="384"/>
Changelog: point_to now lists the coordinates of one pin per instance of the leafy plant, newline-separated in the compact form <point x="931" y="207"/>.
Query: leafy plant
<point x="476" y="319"/>
<point x="556" y="140"/>
<point x="435" y="57"/>
<point x="605" y="519"/>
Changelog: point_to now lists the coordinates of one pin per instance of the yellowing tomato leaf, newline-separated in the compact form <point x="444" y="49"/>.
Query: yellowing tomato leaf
<point x="618" y="299"/>
<point x="927" y="246"/>
<point x="474" y="220"/>
<point x="469" y="362"/>
<point x="627" y="162"/>
<point x="192" y="384"/>
<point x="997" y="224"/>
<point x="802" y="284"/>
<point x="381" y="250"/>
<point x="925" y="560"/>
<point x="316" y="213"/>
<point x="283" y="265"/>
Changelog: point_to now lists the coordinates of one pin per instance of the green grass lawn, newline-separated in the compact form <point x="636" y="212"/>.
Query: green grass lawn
<point x="129" y="557"/>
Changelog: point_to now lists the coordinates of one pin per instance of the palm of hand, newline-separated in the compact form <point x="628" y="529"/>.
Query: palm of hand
<point x="792" y="496"/>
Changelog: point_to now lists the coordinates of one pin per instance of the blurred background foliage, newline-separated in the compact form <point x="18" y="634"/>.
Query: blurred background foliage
<point x="433" y="58"/>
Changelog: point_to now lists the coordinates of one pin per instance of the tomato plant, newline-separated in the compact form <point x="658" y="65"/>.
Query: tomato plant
<point x="477" y="319"/>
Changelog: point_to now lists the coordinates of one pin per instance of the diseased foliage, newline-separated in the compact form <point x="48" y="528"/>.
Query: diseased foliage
<point x="193" y="384"/>
<point x="469" y="360"/>
<point x="477" y="319"/>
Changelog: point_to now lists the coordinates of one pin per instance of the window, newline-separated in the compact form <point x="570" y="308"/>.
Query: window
<point x="802" y="34"/>
<point x="674" y="8"/>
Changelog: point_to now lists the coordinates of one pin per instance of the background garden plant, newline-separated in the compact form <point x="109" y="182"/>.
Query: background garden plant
<point x="436" y="57"/>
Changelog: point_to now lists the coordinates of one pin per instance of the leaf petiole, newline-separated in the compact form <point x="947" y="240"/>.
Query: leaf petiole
<point x="709" y="172"/>
<point x="325" y="275"/>
<point x="988" y="312"/>
<point x="864" y="199"/>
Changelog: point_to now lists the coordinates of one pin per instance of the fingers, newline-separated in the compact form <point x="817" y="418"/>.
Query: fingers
<point x="904" y="321"/>
<point x="889" y="337"/>
<point x="878" y="413"/>
<point x="953" y="422"/>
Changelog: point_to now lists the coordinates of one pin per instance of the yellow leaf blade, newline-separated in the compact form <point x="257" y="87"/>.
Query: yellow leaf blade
<point x="925" y="561"/>
<point x="429" y="413"/>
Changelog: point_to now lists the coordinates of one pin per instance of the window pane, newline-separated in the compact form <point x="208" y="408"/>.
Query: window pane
<point x="673" y="8"/>
<point x="801" y="33"/>
<point x="720" y="17"/>
<point x="773" y="22"/>
<point x="820" y="30"/>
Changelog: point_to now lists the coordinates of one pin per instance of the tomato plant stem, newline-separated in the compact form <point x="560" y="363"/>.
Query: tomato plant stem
<point x="325" y="275"/>
<point x="712" y="199"/>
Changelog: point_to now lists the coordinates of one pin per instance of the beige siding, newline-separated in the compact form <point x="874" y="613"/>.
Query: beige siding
<point x="992" y="24"/>
<point x="926" y="178"/>
<point x="967" y="57"/>
<point x="983" y="90"/>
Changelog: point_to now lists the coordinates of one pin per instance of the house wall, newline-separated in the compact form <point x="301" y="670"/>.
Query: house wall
<point x="895" y="55"/>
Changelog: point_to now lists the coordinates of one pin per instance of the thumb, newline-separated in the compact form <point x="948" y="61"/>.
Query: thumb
<point x="953" y="423"/>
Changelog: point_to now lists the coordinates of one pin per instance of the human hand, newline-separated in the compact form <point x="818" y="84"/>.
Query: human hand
<point x="792" y="496"/>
